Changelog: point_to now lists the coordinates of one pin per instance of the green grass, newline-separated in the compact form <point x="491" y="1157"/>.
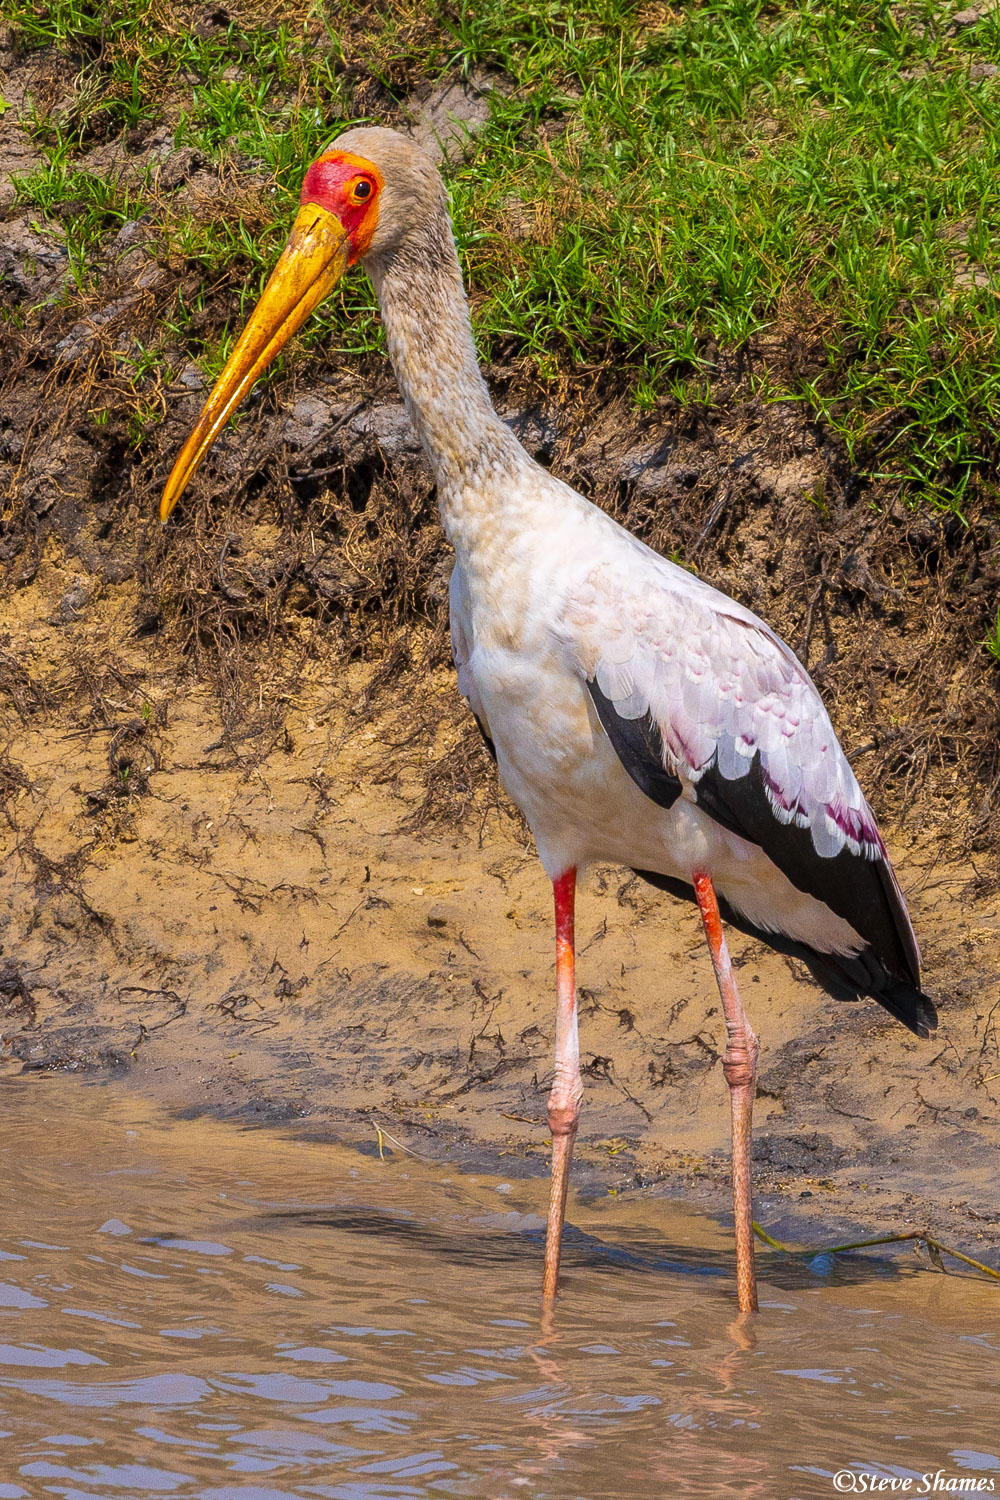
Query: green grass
<point x="99" y="206"/>
<point x="731" y="176"/>
<point x="742" y="168"/>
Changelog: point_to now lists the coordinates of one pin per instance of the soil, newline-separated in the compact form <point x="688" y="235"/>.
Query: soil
<point x="255" y="860"/>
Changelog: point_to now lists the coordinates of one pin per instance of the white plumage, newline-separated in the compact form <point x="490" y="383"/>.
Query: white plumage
<point x="718" y="684"/>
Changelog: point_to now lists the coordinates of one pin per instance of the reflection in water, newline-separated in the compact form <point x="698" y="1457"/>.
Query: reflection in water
<point x="189" y="1310"/>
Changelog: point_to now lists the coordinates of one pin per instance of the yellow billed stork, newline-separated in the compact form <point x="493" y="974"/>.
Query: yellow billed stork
<point x="636" y="714"/>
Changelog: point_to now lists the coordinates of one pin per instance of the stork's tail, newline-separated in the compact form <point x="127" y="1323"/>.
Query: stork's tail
<point x="852" y="978"/>
<point x="842" y="976"/>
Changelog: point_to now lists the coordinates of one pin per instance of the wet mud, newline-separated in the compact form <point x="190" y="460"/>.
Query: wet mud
<point x="281" y="944"/>
<point x="254" y="858"/>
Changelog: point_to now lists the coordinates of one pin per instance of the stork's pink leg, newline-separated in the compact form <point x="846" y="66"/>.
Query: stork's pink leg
<point x="739" y="1063"/>
<point x="567" y="1091"/>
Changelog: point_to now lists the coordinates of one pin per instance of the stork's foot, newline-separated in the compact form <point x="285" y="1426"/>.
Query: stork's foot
<point x="739" y="1064"/>
<point x="567" y="1091"/>
<point x="563" y="1122"/>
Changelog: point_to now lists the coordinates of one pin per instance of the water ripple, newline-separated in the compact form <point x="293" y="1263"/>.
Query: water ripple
<point x="407" y="1360"/>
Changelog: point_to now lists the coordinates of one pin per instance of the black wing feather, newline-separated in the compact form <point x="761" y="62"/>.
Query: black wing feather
<point x="861" y="891"/>
<point x="639" y="746"/>
<point x="842" y="977"/>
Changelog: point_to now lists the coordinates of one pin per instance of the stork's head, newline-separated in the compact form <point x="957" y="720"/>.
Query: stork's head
<point x="359" y="200"/>
<point x="376" y="183"/>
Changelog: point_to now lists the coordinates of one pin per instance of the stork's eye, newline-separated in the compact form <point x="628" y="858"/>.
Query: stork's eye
<point x="361" y="191"/>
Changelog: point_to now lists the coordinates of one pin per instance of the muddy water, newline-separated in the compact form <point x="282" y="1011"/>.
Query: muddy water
<point x="196" y="1311"/>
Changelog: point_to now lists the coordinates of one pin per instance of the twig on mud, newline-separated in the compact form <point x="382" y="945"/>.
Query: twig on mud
<point x="235" y="596"/>
<point x="468" y="946"/>
<point x="503" y="1066"/>
<point x="604" y="1067"/>
<point x="920" y="1236"/>
<point x="52" y="877"/>
<point x="324" y="437"/>
<point x="231" y="1005"/>
<point x="245" y="902"/>
<point x="349" y="918"/>
<point x="293" y="890"/>
<point x="806" y="637"/>
<point x="383" y="1135"/>
<point x="310" y="833"/>
<point x="365" y="902"/>
<point x="713" y="517"/>
<point x="171" y="995"/>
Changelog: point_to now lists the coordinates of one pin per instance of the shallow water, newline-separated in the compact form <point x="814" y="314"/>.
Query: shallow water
<point x="202" y="1312"/>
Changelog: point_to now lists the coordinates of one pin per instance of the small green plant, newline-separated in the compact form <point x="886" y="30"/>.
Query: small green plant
<point x="145" y="416"/>
<point x="817" y="498"/>
<point x="992" y="641"/>
<point x="645" y="395"/>
<point x="91" y="207"/>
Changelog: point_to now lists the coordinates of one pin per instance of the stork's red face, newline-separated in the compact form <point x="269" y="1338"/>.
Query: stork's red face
<point x="349" y="187"/>
<point x="334" y="228"/>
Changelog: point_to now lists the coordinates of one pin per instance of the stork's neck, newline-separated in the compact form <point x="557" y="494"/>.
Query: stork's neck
<point x="473" y="453"/>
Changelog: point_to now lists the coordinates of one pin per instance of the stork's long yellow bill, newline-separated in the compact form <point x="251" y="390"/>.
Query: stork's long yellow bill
<point x="310" y="266"/>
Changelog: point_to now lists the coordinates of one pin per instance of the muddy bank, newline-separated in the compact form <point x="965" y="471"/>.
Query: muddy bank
<point x="277" y="942"/>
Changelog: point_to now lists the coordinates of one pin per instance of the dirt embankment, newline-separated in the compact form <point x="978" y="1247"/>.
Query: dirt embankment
<point x="275" y="943"/>
<point x="254" y="856"/>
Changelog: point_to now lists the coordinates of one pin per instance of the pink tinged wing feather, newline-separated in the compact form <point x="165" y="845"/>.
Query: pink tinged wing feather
<point x="826" y="836"/>
<point x="615" y="680"/>
<point x="699" y="692"/>
<point x="732" y="765"/>
<point x="720" y="687"/>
